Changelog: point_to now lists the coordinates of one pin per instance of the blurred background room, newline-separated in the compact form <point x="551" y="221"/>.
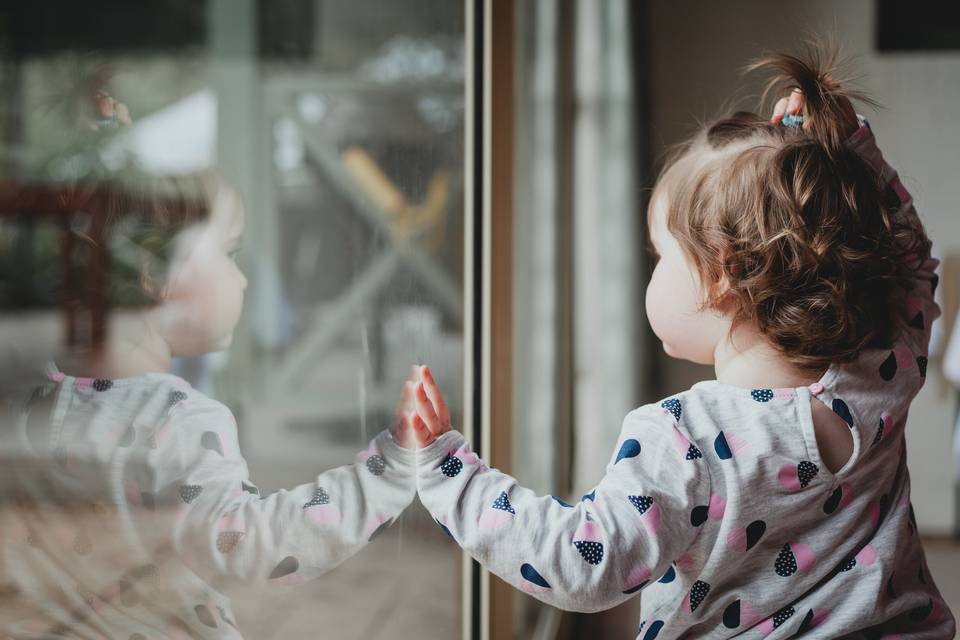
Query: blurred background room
<point x="462" y="184"/>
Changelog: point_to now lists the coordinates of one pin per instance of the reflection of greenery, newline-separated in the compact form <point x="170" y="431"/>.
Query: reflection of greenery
<point x="32" y="264"/>
<point x="139" y="239"/>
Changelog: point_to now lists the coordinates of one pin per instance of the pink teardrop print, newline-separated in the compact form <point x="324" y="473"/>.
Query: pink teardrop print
<point x="748" y="615"/>
<point x="466" y="456"/>
<point x="680" y="442"/>
<point x="738" y="445"/>
<point x="651" y="518"/>
<point x="374" y="523"/>
<point x="904" y="358"/>
<point x="638" y="576"/>
<point x="323" y="514"/>
<point x="717" y="507"/>
<point x="847" y="498"/>
<point x="368" y="453"/>
<point x="788" y="477"/>
<point x="492" y="519"/>
<point x="804" y="555"/>
<point x="867" y="555"/>
<point x="589" y="532"/>
<point x="686" y="562"/>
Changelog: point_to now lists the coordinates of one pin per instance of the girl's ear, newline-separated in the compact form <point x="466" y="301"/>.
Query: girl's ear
<point x="722" y="295"/>
<point x="156" y="290"/>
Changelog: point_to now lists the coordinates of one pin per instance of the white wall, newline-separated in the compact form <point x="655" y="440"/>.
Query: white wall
<point x="697" y="48"/>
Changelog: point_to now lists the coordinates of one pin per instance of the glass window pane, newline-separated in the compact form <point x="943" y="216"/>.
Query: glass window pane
<point x="264" y="199"/>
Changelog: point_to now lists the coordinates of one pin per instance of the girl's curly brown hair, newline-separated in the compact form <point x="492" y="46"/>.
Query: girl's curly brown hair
<point x="790" y="228"/>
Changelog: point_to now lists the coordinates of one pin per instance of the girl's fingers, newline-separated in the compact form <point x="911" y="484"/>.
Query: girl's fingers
<point x="420" y="431"/>
<point x="779" y="110"/>
<point x="795" y="102"/>
<point x="426" y="412"/>
<point x="433" y="392"/>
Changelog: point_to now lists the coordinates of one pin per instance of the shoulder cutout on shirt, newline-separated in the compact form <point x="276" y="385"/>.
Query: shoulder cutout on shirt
<point x="834" y="440"/>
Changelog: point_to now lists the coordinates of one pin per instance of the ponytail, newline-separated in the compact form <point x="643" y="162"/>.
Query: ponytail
<point x="827" y="96"/>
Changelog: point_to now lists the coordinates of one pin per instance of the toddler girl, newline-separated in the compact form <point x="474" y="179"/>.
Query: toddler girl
<point x="126" y="501"/>
<point x="775" y="500"/>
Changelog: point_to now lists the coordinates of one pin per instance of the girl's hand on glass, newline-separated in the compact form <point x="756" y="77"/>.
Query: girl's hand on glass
<point x="432" y="417"/>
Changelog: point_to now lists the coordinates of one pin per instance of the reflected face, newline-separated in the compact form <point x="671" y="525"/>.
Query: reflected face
<point x="675" y="295"/>
<point x="204" y="294"/>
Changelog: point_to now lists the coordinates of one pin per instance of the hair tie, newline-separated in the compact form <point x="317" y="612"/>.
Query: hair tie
<point x="792" y="121"/>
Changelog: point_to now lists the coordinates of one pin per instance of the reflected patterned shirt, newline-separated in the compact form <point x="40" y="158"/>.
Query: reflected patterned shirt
<point x="717" y="505"/>
<point x="130" y="513"/>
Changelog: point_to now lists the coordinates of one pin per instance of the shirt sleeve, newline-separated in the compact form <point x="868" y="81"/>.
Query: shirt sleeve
<point x="588" y="556"/>
<point x="921" y="309"/>
<point x="223" y="529"/>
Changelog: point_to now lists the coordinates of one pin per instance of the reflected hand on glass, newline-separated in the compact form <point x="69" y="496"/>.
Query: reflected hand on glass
<point x="432" y="417"/>
<point x="401" y="429"/>
<point x="109" y="111"/>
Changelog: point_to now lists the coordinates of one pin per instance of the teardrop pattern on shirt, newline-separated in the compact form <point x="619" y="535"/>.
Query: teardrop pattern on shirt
<point x="884" y="426"/>
<point x="888" y="368"/>
<point x="210" y="440"/>
<point x="190" y="492"/>
<point x="639" y="578"/>
<point x="668" y="576"/>
<point x="833" y="501"/>
<point x="714" y="510"/>
<point x="533" y="582"/>
<point x="840" y="497"/>
<point x="814" y="618"/>
<point x="286" y="567"/>
<point x="588" y="540"/>
<point x="698" y="592"/>
<point x="451" y="466"/>
<point x="746" y="538"/>
<point x="685" y="447"/>
<point x="629" y="449"/>
<point x="383" y="526"/>
<point x="795" y="477"/>
<point x="228" y="541"/>
<point x="673" y="407"/>
<point x="728" y="445"/>
<point x="174" y="398"/>
<point x="866" y="556"/>
<point x="841" y="409"/>
<point x="128" y="437"/>
<point x="794" y="557"/>
<point x="500" y="513"/>
<point x="767" y="626"/>
<point x="649" y="511"/>
<point x="205" y="616"/>
<point x="653" y="630"/>
<point x="740" y="613"/>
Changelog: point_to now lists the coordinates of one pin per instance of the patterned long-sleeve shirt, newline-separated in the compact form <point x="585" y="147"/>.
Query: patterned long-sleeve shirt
<point x="717" y="505"/>
<point x="125" y="516"/>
